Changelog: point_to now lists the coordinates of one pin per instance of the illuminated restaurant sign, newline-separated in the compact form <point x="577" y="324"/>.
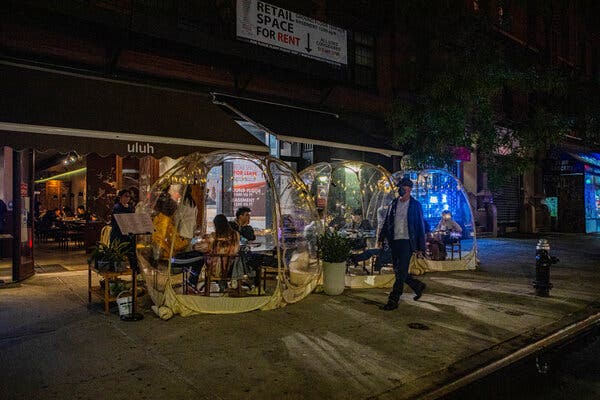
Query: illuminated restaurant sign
<point x="270" y="26"/>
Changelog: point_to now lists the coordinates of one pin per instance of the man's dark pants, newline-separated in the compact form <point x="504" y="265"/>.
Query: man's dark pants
<point x="401" y="254"/>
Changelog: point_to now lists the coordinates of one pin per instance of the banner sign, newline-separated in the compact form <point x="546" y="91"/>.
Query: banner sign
<point x="270" y="26"/>
<point x="249" y="187"/>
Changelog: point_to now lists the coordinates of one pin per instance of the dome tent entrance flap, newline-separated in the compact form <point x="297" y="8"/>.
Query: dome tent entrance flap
<point x="183" y="204"/>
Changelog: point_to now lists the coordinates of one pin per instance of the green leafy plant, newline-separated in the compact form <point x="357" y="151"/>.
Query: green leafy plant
<point x="332" y="247"/>
<point x="107" y="256"/>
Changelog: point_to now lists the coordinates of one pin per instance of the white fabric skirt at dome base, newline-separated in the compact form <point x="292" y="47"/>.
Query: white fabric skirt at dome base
<point x="418" y="266"/>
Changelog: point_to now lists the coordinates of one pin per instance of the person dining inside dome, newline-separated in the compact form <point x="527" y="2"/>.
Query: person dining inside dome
<point x="448" y="228"/>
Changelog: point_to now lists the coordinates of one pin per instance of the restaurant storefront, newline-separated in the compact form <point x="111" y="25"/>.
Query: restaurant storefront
<point x="114" y="132"/>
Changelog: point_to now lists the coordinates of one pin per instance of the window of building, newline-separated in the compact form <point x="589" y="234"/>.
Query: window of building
<point x="503" y="15"/>
<point x="364" y="59"/>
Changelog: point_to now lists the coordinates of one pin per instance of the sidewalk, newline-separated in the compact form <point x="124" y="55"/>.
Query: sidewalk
<point x="53" y="347"/>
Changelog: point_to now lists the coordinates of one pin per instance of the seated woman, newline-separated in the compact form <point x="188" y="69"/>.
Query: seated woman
<point x="165" y="236"/>
<point x="218" y="248"/>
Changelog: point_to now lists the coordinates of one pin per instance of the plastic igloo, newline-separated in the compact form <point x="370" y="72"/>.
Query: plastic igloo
<point x="352" y="198"/>
<point x="451" y="241"/>
<point x="202" y="259"/>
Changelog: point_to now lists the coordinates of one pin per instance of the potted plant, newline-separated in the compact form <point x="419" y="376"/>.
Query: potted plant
<point x="109" y="257"/>
<point x="333" y="250"/>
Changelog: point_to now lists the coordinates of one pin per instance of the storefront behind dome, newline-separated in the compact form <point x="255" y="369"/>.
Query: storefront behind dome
<point x="220" y="183"/>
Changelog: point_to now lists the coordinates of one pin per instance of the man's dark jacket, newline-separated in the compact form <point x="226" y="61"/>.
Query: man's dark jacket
<point x="245" y="231"/>
<point x="416" y="226"/>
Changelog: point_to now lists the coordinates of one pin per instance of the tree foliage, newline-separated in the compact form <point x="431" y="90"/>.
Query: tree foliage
<point x="461" y="72"/>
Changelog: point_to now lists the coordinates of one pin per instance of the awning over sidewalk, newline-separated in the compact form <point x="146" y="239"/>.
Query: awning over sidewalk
<point x="294" y="124"/>
<point x="45" y="109"/>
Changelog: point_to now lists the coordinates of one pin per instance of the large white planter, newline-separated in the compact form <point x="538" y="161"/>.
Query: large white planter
<point x="334" y="277"/>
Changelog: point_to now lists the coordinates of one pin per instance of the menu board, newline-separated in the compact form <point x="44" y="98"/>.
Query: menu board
<point x="134" y="223"/>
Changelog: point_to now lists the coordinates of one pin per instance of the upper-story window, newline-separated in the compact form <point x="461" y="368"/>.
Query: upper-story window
<point x="364" y="59"/>
<point x="503" y="15"/>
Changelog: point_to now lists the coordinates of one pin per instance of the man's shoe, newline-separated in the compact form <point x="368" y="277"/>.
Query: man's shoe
<point x="389" y="306"/>
<point x="419" y="292"/>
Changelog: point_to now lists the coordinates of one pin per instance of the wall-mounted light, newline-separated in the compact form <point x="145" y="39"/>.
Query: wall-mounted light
<point x="71" y="158"/>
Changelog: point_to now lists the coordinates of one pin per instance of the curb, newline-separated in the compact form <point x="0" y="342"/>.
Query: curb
<point x="546" y="342"/>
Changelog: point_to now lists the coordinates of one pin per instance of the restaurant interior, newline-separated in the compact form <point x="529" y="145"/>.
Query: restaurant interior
<point x="73" y="198"/>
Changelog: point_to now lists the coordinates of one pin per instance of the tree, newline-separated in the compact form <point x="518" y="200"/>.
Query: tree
<point x="462" y="69"/>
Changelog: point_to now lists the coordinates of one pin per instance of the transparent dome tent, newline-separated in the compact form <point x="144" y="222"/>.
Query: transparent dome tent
<point x="183" y="203"/>
<point x="341" y="189"/>
<point x="438" y="191"/>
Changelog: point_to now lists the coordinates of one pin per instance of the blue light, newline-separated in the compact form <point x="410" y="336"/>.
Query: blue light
<point x="433" y="199"/>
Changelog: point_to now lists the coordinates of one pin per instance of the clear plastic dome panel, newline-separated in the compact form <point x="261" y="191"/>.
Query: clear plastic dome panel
<point x="189" y="255"/>
<point x="439" y="192"/>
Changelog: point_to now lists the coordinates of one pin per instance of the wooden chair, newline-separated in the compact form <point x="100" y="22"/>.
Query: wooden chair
<point x="105" y="235"/>
<point x="266" y="273"/>
<point x="211" y="274"/>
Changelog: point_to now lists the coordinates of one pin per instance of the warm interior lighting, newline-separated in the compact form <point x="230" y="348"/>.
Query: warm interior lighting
<point x="63" y="175"/>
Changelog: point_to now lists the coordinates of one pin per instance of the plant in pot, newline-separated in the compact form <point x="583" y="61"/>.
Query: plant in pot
<point x="333" y="250"/>
<point x="109" y="257"/>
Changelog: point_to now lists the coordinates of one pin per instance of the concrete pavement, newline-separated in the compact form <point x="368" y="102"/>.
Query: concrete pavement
<point x="343" y="347"/>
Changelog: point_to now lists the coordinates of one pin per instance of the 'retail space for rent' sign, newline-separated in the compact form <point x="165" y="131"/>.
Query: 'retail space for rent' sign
<point x="275" y="27"/>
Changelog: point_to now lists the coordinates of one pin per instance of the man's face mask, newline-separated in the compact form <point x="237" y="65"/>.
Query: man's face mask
<point x="401" y="191"/>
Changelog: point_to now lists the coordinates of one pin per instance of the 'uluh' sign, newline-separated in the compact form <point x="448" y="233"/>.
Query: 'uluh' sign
<point x="275" y="27"/>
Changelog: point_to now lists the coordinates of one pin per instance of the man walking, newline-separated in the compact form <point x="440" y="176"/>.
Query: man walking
<point x="404" y="230"/>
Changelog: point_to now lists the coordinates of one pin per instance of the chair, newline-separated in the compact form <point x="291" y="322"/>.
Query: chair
<point x="267" y="272"/>
<point x="453" y="246"/>
<point x="226" y="262"/>
<point x="105" y="235"/>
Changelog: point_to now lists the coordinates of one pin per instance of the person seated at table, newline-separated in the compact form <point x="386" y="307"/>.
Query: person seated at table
<point x="337" y="222"/>
<point x="67" y="212"/>
<point x="437" y="248"/>
<point x="312" y="231"/>
<point x="165" y="234"/>
<point x="49" y="217"/>
<point x="241" y="224"/>
<point x="218" y="247"/>
<point x="383" y="257"/>
<point x="82" y="213"/>
<point x="186" y="216"/>
<point x="58" y="214"/>
<point x="448" y="228"/>
<point x="253" y="261"/>
<point x="358" y="225"/>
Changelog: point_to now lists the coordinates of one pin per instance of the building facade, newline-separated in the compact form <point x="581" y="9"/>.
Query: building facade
<point x="311" y="80"/>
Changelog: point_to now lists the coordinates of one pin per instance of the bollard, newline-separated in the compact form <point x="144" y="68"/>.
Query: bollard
<point x="543" y="261"/>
